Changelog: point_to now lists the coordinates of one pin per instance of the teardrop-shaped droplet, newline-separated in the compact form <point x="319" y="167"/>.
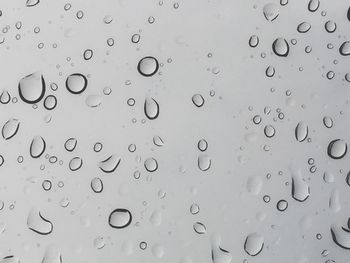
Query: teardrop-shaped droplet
<point x="97" y="185"/>
<point x="38" y="223"/>
<point x="148" y="66"/>
<point x="344" y="49"/>
<point x="270" y="71"/>
<point x="10" y="128"/>
<point x="280" y="47"/>
<point x="120" y="218"/>
<point x="52" y="255"/>
<point x="270" y="11"/>
<point x="110" y="164"/>
<point x="37" y="147"/>
<point x="301" y="131"/>
<point x="88" y="53"/>
<point x="198" y="100"/>
<point x="93" y="101"/>
<point x="254" y="244"/>
<point x="341" y="236"/>
<point x="75" y="164"/>
<point x="151" y="108"/>
<point x="303" y="27"/>
<point x="158" y="141"/>
<point x="151" y="164"/>
<point x="337" y="149"/>
<point x="32" y="88"/>
<point x="70" y="144"/>
<point x="5" y="97"/>
<point x="313" y="5"/>
<point x="254" y="41"/>
<point x="204" y="162"/>
<point x="9" y="259"/>
<point x="199" y="228"/>
<point x="76" y="83"/>
<point x="300" y="188"/>
<point x="31" y="3"/>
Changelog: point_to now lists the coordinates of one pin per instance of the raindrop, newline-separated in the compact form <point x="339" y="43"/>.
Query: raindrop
<point x="120" y="218"/>
<point x="199" y="228"/>
<point x="337" y="149"/>
<point x="88" y="53"/>
<point x="110" y="164"/>
<point x="10" y="128"/>
<point x="31" y="3"/>
<point x="280" y="47"/>
<point x="341" y="236"/>
<point x="32" y="88"/>
<point x="158" y="141"/>
<point x="37" y="147"/>
<point x="37" y="223"/>
<point x="254" y="244"/>
<point x="313" y="5"/>
<point x="271" y="11"/>
<point x="76" y="83"/>
<point x="75" y="163"/>
<point x="301" y="131"/>
<point x="70" y="144"/>
<point x="52" y="255"/>
<point x="202" y="145"/>
<point x="270" y="71"/>
<point x="198" y="100"/>
<point x="328" y="122"/>
<point x="5" y="97"/>
<point x="9" y="259"/>
<point x="269" y="131"/>
<point x="148" y="66"/>
<point x="151" y="108"/>
<point x="254" y="41"/>
<point x="300" y="188"/>
<point x="303" y="27"/>
<point x="282" y="205"/>
<point x="97" y="185"/>
<point x="330" y="26"/>
<point x="204" y="162"/>
<point x="151" y="164"/>
<point x="93" y="101"/>
<point x="50" y="102"/>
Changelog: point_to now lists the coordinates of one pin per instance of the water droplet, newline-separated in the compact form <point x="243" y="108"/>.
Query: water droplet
<point x="158" y="141"/>
<point x="269" y="131"/>
<point x="280" y="47"/>
<point x="337" y="149"/>
<point x="202" y="145"/>
<point x="301" y="131"/>
<point x="75" y="164"/>
<point x="151" y="164"/>
<point x="198" y="100"/>
<point x="254" y="244"/>
<point x="313" y="5"/>
<point x="328" y="122"/>
<point x="120" y="218"/>
<point x="9" y="259"/>
<point x="52" y="255"/>
<point x="344" y="49"/>
<point x="5" y="97"/>
<point x="70" y="144"/>
<point x="50" y="102"/>
<point x="254" y="41"/>
<point x="37" y="147"/>
<point x="76" y="83"/>
<point x="10" y="128"/>
<point x="32" y="88"/>
<point x="38" y="223"/>
<point x="96" y="185"/>
<point x="282" y="205"/>
<point x="300" y="188"/>
<point x="148" y="66"/>
<point x="151" y="108"/>
<point x="204" y="162"/>
<point x="31" y="3"/>
<point x="93" y="101"/>
<point x="110" y="164"/>
<point x="330" y="26"/>
<point x="88" y="53"/>
<point x="341" y="236"/>
<point x="270" y="11"/>
<point x="199" y="228"/>
<point x="303" y="27"/>
<point x="270" y="71"/>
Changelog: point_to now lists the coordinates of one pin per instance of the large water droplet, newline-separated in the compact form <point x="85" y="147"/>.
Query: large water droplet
<point x="270" y="11"/>
<point x="110" y="164"/>
<point x="341" y="236"/>
<point x="344" y="49"/>
<point x="300" y="188"/>
<point x="10" y="128"/>
<point x="32" y="88"/>
<point x="280" y="47"/>
<point x="337" y="149"/>
<point x="254" y="244"/>
<point x="37" y="147"/>
<point x="37" y="223"/>
<point x="148" y="66"/>
<point x="120" y="218"/>
<point x="70" y="144"/>
<point x="76" y="83"/>
<point x="151" y="108"/>
<point x="10" y="259"/>
<point x="301" y="131"/>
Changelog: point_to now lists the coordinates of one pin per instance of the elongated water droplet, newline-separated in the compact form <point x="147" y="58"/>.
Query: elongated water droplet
<point x="198" y="100"/>
<point x="10" y="128"/>
<point x="148" y="66"/>
<point x="254" y="244"/>
<point x="337" y="149"/>
<point x="328" y="122"/>
<point x="120" y="218"/>
<point x="38" y="223"/>
<point x="313" y="5"/>
<point x="97" y="185"/>
<point x="37" y="147"/>
<point x="76" y="83"/>
<point x="202" y="145"/>
<point x="110" y="164"/>
<point x="32" y="88"/>
<point x="301" y="131"/>
<point x="151" y="108"/>
<point x="303" y="27"/>
<point x="31" y="3"/>
<point x="9" y="259"/>
<point x="280" y="47"/>
<point x="199" y="228"/>
<point x="300" y="188"/>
